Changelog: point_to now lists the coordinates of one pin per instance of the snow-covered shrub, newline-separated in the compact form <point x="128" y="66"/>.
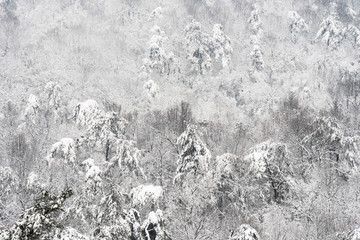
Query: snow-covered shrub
<point x="194" y="155"/>
<point x="151" y="88"/>
<point x="32" y="108"/>
<point x="64" y="150"/>
<point x="225" y="166"/>
<point x="329" y="142"/>
<point x="222" y="46"/>
<point x="145" y="194"/>
<point x="245" y="232"/>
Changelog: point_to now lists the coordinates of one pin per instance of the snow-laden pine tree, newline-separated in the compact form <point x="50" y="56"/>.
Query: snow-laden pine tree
<point x="199" y="46"/>
<point x="38" y="221"/>
<point x="222" y="46"/>
<point x="194" y="156"/>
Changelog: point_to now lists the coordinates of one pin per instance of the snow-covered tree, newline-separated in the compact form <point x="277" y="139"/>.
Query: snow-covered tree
<point x="257" y="58"/>
<point x="297" y="25"/>
<point x="194" y="156"/>
<point x="63" y="150"/>
<point x="38" y="222"/>
<point x="331" y="30"/>
<point x="126" y="155"/>
<point x="32" y="109"/>
<point x="86" y="112"/>
<point x="151" y="88"/>
<point x="158" y="59"/>
<point x="269" y="161"/>
<point x="69" y="233"/>
<point x="222" y="46"/>
<point x="53" y="98"/>
<point x="245" y="232"/>
<point x="199" y="46"/>
<point x="328" y="142"/>
<point x="104" y="129"/>
<point x="93" y="174"/>
<point x="156" y="14"/>
<point x="255" y="21"/>
<point x="355" y="33"/>
<point x="153" y="226"/>
<point x="144" y="194"/>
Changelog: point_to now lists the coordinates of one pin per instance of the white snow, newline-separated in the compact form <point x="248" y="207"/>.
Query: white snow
<point x="145" y="193"/>
<point x="64" y="149"/>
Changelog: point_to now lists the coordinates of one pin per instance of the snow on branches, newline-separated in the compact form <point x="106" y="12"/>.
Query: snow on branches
<point x="158" y="59"/>
<point x="126" y="154"/>
<point x="64" y="150"/>
<point x="222" y="46"/>
<point x="245" y="232"/>
<point x="86" y="112"/>
<point x="202" y="48"/>
<point x="53" y="97"/>
<point x="328" y="141"/>
<point x="331" y="30"/>
<point x="93" y="173"/>
<point x="298" y="24"/>
<point x="194" y="156"/>
<point x="145" y="194"/>
<point x="254" y="20"/>
<point x="257" y="58"/>
<point x="32" y="108"/>
<point x="151" y="88"/>
<point x="269" y="161"/>
<point x="153" y="226"/>
<point x="9" y="182"/>
<point x="38" y="221"/>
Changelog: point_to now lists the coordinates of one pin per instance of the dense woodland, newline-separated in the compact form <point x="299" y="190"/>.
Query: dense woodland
<point x="188" y="119"/>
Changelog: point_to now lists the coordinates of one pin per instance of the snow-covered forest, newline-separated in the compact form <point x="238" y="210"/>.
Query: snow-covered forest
<point x="179" y="119"/>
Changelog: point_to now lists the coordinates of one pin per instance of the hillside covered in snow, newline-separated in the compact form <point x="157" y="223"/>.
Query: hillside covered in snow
<point x="189" y="119"/>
